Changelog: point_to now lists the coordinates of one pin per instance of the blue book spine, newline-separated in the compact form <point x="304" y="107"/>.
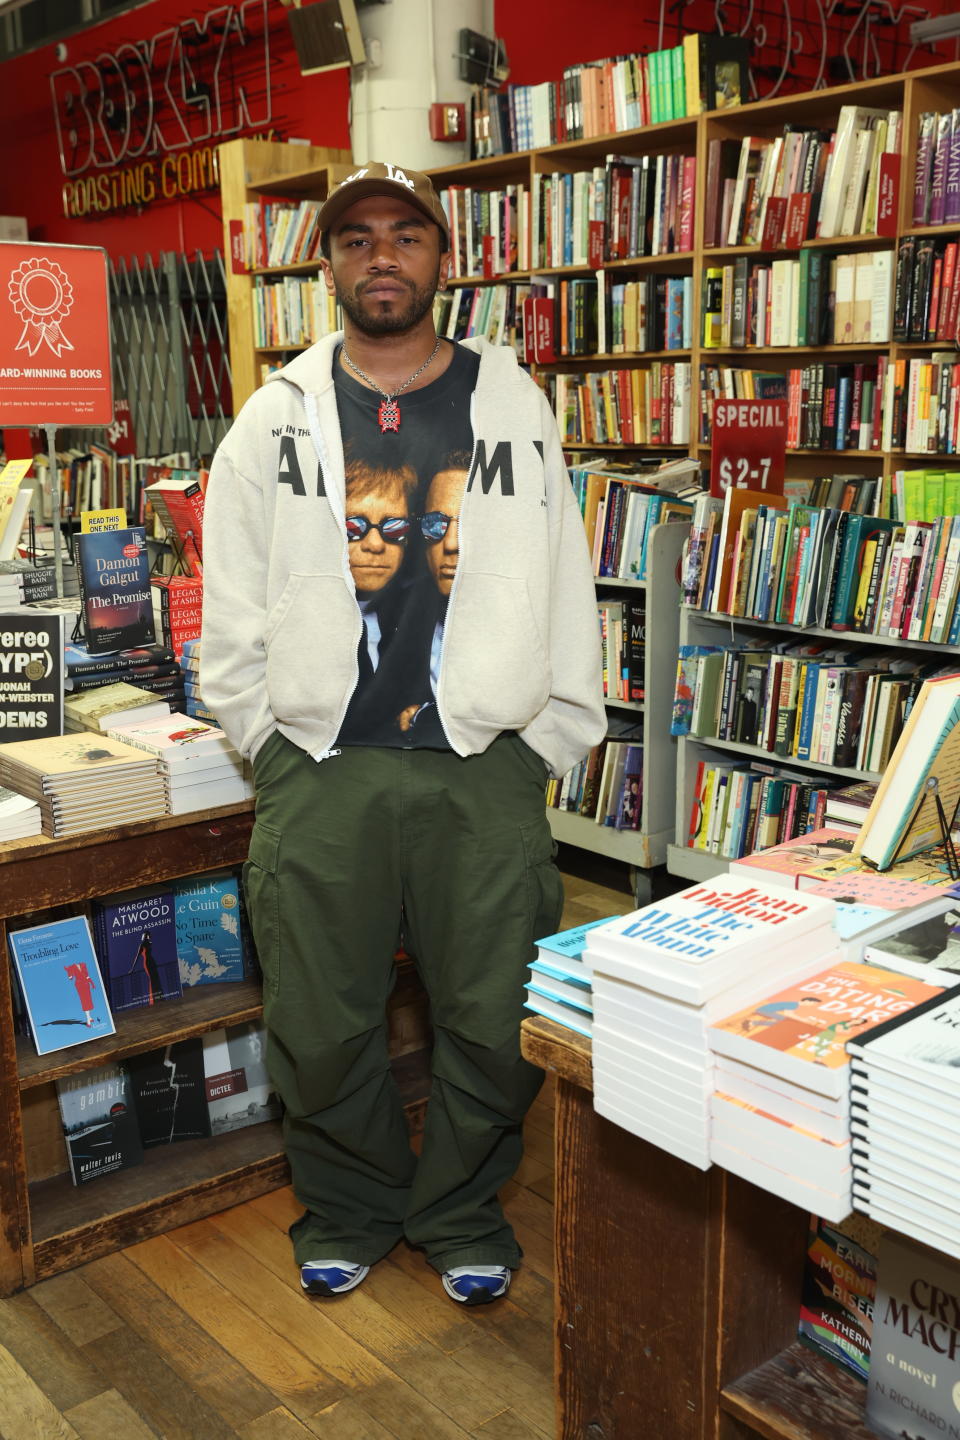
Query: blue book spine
<point x="653" y="515"/>
<point x="805" y="732"/>
<point x="843" y="411"/>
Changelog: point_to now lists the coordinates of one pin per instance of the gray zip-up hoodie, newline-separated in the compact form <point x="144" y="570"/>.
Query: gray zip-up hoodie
<point x="281" y="621"/>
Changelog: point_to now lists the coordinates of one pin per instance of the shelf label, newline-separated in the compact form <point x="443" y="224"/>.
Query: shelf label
<point x="749" y="446"/>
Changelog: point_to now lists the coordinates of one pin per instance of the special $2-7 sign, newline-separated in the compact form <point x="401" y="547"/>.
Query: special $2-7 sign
<point x="54" y="335"/>
<point x="748" y="446"/>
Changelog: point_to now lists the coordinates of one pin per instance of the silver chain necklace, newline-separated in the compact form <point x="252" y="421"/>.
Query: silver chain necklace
<point x="388" y="412"/>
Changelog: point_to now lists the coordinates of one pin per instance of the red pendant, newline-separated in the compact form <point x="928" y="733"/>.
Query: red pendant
<point x="389" y="416"/>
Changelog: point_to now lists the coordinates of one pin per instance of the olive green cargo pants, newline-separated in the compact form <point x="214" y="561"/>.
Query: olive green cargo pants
<point x="339" y="847"/>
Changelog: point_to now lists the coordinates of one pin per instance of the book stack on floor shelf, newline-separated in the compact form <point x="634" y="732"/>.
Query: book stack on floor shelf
<point x="663" y="973"/>
<point x="560" y="985"/>
<point x="199" y="766"/>
<point x="905" y="1106"/>
<point x="780" y="1113"/>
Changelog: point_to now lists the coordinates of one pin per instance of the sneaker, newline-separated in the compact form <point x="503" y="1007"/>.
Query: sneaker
<point x="331" y="1277"/>
<point x="476" y="1284"/>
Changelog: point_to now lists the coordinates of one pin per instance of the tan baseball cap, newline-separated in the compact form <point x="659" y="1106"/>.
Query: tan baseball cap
<point x="379" y="177"/>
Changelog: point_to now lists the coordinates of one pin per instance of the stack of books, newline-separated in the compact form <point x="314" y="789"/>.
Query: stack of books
<point x="152" y="667"/>
<point x="781" y="1109"/>
<point x="905" y="1105"/>
<point x="19" y="816"/>
<point x="199" y="766"/>
<point x="560" y="981"/>
<point x="663" y="973"/>
<point x="21" y="583"/>
<point x="190" y="664"/>
<point x="106" y="705"/>
<point x="84" y="782"/>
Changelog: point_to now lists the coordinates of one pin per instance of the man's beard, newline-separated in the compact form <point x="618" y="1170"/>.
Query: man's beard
<point x="395" y="321"/>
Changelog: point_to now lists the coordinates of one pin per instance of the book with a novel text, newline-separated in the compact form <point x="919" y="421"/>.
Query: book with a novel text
<point x="116" y="605"/>
<point x="169" y="1092"/>
<point x="99" y="1122"/>
<point x="916" y="1338"/>
<point x="60" y="980"/>
<point x="207" y="918"/>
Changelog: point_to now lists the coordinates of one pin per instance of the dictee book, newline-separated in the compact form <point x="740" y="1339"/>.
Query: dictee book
<point x="116" y="605"/>
<point x="238" y="1088"/>
<point x="99" y="1122"/>
<point x="61" y="984"/>
<point x="207" y="918"/>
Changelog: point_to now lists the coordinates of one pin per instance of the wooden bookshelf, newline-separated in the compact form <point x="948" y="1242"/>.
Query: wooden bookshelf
<point x="47" y="1224"/>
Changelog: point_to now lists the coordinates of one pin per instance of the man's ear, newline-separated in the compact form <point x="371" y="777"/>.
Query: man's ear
<point x="446" y="260"/>
<point x="328" y="276"/>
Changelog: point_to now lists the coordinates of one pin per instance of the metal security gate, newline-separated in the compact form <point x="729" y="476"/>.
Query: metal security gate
<point x="170" y="353"/>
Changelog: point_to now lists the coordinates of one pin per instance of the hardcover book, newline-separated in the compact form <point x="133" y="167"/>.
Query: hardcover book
<point x="31" y="673"/>
<point x="801" y="1032"/>
<point x="137" y="943"/>
<point x="207" y="917"/>
<point x="916" y="1334"/>
<point x="169" y="1092"/>
<point x="114" y="572"/>
<point x="238" y="1089"/>
<point x="99" y="1123"/>
<point x="63" y="991"/>
<point x="839" y="1286"/>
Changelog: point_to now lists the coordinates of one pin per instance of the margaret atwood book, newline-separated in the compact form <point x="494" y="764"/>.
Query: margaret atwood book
<point x="912" y="1388"/>
<point x="924" y="767"/>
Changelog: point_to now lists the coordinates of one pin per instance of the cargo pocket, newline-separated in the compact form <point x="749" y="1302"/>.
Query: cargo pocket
<point x="544" y="883"/>
<point x="262" y="892"/>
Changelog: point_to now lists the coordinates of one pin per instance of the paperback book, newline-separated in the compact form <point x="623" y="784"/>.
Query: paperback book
<point x="238" y="1089"/>
<point x="31" y="673"/>
<point x="116" y="605"/>
<point x="169" y="1092"/>
<point x="99" y="1122"/>
<point x="61" y="984"/>
<point x="839" y="1286"/>
<point x="209" y="940"/>
<point x="136" y="940"/>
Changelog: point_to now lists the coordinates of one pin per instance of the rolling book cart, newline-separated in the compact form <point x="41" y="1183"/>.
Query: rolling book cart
<point x="47" y="1224"/>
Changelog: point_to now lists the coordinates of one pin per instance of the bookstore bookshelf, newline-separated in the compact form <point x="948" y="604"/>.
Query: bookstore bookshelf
<point x="50" y="1225"/>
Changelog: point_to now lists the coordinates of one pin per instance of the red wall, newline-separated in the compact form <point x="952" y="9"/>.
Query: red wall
<point x="541" y="36"/>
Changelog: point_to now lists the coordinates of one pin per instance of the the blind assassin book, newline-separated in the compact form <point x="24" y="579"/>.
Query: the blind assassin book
<point x="136" y="940"/>
<point x="116" y="606"/>
<point x="99" y="1123"/>
<point x="207" y="918"/>
<point x="911" y="1390"/>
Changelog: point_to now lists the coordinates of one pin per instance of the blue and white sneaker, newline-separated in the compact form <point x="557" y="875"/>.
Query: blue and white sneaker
<point x="331" y="1277"/>
<point x="476" y="1284"/>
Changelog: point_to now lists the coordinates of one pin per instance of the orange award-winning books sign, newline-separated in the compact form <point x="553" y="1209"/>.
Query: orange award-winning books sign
<point x="54" y="335"/>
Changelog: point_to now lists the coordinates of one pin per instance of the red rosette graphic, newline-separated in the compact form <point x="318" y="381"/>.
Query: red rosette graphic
<point x="42" y="296"/>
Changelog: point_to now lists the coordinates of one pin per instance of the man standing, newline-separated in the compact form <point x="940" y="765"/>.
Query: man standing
<point x="356" y="825"/>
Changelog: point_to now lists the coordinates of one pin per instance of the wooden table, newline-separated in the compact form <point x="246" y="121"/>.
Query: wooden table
<point x="677" y="1290"/>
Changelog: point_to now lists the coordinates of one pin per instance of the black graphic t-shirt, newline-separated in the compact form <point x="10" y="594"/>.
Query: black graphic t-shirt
<point x="404" y="489"/>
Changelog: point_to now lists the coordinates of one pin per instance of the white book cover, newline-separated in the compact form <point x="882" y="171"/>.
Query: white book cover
<point x="176" y="739"/>
<point x="831" y="1205"/>
<point x="719" y="919"/>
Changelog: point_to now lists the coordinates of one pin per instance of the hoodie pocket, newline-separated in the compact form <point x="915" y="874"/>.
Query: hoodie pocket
<point x="497" y="669"/>
<point x="311" y="640"/>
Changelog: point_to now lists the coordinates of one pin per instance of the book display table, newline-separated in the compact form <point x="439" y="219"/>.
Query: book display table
<point x="677" y="1290"/>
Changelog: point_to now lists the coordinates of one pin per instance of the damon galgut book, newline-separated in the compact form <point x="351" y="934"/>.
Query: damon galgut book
<point x="114" y="570"/>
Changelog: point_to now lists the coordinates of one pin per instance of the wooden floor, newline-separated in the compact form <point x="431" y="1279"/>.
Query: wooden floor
<point x="203" y="1333"/>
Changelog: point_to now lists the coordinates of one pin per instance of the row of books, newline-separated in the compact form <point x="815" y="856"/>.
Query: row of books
<point x="203" y="1086"/>
<point x="489" y="228"/>
<point x="780" y="190"/>
<point x="815" y="299"/>
<point x="926" y="303"/>
<point x="653" y="312"/>
<point x="295" y="311"/>
<point x="639" y="406"/>
<point x="762" y="558"/>
<point x="607" y="785"/>
<point x="280" y="232"/>
<point x="936" y="185"/>
<point x="620" y="513"/>
<point x="623" y="638"/>
<point x="494" y="311"/>
<point x="148" y="946"/>
<point x="737" y="809"/>
<point x="608" y="97"/>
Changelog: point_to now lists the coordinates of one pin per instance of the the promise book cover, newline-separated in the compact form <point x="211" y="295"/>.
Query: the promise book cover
<point x="114" y="572"/>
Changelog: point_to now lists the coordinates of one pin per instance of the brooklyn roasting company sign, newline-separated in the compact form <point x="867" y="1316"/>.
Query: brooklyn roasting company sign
<point x="142" y="122"/>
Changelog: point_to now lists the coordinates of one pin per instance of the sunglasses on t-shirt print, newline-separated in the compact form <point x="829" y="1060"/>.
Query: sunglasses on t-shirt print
<point x="393" y="529"/>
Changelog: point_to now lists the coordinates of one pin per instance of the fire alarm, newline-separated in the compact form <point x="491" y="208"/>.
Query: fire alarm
<point x="448" y="121"/>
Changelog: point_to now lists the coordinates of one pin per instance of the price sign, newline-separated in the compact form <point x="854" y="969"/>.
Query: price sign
<point x="749" y="446"/>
